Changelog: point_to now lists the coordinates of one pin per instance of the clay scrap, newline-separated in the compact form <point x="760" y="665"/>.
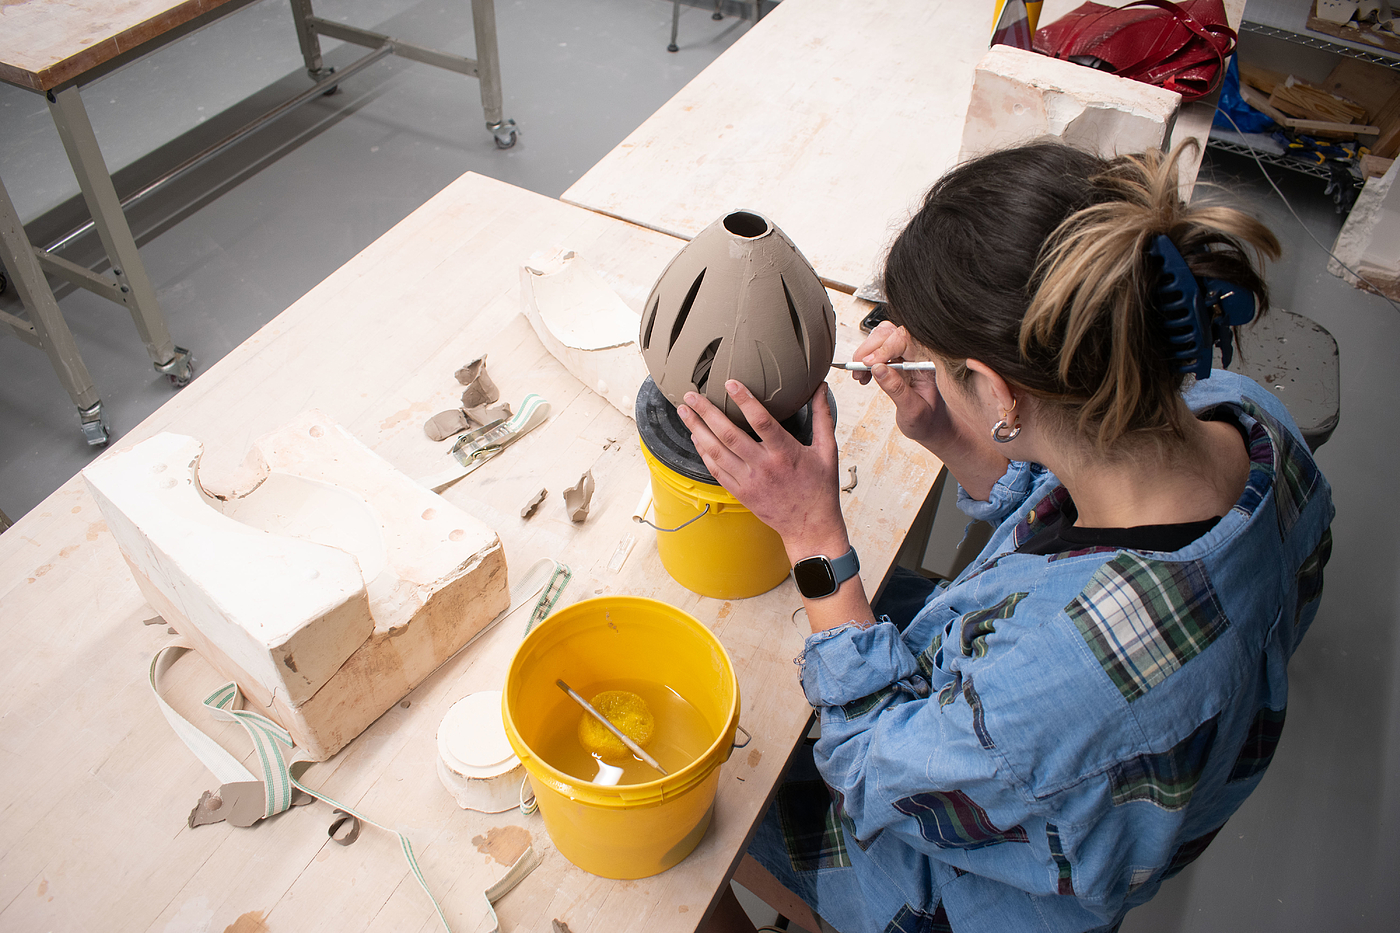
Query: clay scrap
<point x="528" y="508"/>
<point x="489" y="414"/>
<point x="585" y="326"/>
<point x="851" y="483"/>
<point x="446" y="423"/>
<point x="480" y="390"/>
<point x="578" y="497"/>
<point x="328" y="585"/>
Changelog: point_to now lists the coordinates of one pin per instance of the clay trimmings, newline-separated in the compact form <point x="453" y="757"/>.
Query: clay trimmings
<point x="739" y="302"/>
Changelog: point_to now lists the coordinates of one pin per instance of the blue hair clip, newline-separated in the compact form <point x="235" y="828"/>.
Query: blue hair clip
<point x="1188" y="308"/>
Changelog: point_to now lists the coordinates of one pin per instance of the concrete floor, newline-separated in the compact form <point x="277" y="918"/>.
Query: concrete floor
<point x="1315" y="849"/>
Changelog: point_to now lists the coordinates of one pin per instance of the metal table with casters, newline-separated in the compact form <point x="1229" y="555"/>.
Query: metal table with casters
<point x="56" y="48"/>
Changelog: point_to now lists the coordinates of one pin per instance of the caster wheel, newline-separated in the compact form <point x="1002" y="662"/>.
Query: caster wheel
<point x="716" y="15"/>
<point x="504" y="132"/>
<point x="179" y="369"/>
<point x="673" y="47"/>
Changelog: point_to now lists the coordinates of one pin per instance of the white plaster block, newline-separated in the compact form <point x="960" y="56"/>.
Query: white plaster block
<point x="1019" y="96"/>
<point x="327" y="584"/>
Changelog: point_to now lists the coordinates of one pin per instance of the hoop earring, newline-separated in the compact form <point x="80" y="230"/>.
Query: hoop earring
<point x="1004" y="433"/>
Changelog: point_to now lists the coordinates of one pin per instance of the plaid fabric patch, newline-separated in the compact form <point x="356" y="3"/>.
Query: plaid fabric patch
<point x="978" y="724"/>
<point x="912" y="920"/>
<point x="1057" y="852"/>
<point x="857" y="708"/>
<point x="977" y="625"/>
<point x="928" y="658"/>
<point x="1310" y="574"/>
<point x="1295" y="472"/>
<point x="811" y="828"/>
<point x="1044" y="512"/>
<point x="1188" y="853"/>
<point x="1144" y="619"/>
<point x="1259" y="745"/>
<point x="1167" y="779"/>
<point x="953" y="820"/>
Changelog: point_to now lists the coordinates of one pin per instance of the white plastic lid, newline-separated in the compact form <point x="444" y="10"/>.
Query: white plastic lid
<point x="472" y="738"/>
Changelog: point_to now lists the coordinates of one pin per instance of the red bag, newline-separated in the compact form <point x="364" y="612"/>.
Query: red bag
<point x="1178" y="46"/>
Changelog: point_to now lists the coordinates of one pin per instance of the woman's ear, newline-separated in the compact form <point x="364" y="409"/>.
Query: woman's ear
<point x="995" y="390"/>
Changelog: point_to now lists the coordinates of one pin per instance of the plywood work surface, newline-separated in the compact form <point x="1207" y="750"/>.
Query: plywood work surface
<point x="45" y="43"/>
<point x="832" y="117"/>
<point x="95" y="787"/>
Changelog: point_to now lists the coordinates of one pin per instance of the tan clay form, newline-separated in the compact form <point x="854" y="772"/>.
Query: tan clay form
<point x="327" y="585"/>
<point x="577" y="498"/>
<point x="739" y="302"/>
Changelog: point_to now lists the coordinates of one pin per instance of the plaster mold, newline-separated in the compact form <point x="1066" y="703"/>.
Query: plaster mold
<point x="1369" y="241"/>
<point x="585" y="326"/>
<point x="326" y="583"/>
<point x="739" y="302"/>
<point x="1019" y="96"/>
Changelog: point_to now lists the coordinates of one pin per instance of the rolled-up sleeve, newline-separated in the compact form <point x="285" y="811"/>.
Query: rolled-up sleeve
<point x="844" y="664"/>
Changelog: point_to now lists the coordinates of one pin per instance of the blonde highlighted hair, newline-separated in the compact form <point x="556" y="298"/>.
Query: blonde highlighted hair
<point x="1034" y="260"/>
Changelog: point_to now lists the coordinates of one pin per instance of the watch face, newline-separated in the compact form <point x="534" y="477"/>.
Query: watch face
<point x="814" y="577"/>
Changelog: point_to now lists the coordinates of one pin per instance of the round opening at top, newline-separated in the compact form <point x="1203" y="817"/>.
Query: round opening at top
<point x="744" y="224"/>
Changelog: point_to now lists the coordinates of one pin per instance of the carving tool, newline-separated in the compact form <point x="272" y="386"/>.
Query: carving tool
<point x="919" y="366"/>
<point x="633" y="747"/>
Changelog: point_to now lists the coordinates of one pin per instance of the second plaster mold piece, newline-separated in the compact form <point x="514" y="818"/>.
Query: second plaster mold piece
<point x="480" y="390"/>
<point x="578" y="497"/>
<point x="327" y="585"/>
<point x="585" y="326"/>
<point x="528" y="508"/>
<point x="739" y="302"/>
<point x="1019" y="96"/>
<point x="446" y="423"/>
<point x="1369" y="241"/>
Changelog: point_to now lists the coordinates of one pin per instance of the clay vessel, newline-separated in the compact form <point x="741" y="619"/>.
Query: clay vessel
<point x="739" y="302"/>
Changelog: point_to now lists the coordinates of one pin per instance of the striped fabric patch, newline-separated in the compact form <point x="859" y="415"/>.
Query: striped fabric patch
<point x="1144" y="619"/>
<point x="1167" y="779"/>
<point x="1310" y="575"/>
<point x="978" y="724"/>
<point x="953" y="820"/>
<point x="977" y="625"/>
<point x="928" y="658"/>
<point x="1259" y="745"/>
<point x="1057" y="852"/>
<point x="811" y="828"/>
<point x="1189" y="852"/>
<point x="912" y="920"/>
<point x="949" y="693"/>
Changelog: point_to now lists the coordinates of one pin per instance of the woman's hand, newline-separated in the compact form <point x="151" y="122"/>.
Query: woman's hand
<point x="919" y="410"/>
<point x="790" y="488"/>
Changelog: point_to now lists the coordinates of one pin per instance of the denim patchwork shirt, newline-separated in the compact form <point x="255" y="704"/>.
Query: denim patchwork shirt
<point x="1053" y="736"/>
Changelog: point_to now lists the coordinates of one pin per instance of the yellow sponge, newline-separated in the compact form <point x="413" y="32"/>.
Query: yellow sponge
<point x="623" y="709"/>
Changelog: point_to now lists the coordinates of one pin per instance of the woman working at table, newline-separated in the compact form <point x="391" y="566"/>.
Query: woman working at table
<point x="1073" y="719"/>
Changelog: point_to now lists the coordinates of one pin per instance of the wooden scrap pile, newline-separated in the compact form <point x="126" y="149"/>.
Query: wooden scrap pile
<point x="1358" y="101"/>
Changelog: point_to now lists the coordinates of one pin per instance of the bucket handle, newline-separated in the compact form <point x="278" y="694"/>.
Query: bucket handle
<point x="677" y="528"/>
<point x="748" y="737"/>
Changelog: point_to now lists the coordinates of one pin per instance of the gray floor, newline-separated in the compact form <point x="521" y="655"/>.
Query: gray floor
<point x="1315" y="849"/>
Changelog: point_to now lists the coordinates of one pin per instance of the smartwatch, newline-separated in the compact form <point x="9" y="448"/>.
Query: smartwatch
<point x="821" y="576"/>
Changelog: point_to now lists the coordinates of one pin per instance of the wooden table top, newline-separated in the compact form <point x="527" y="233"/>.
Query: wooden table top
<point x="831" y="117"/>
<point x="46" y="43"/>
<point x="95" y="788"/>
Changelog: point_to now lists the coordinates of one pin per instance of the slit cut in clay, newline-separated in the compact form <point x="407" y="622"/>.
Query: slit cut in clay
<point x="480" y="389"/>
<point x="529" y="508"/>
<point x="578" y="497"/>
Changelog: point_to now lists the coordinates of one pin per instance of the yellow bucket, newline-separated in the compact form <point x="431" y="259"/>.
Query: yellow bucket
<point x="725" y="552"/>
<point x="624" y="830"/>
